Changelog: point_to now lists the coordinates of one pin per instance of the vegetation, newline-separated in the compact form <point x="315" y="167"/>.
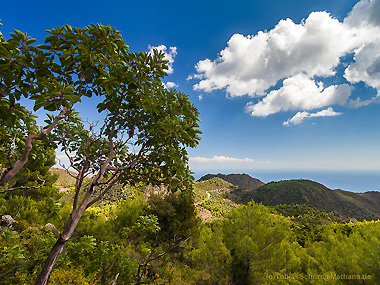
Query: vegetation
<point x="157" y="238"/>
<point x="306" y="192"/>
<point x="146" y="127"/>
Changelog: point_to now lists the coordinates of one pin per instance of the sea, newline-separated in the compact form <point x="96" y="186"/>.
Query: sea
<point x="358" y="181"/>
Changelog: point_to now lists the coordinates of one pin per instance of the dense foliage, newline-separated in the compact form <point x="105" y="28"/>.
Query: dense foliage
<point x="144" y="131"/>
<point x="160" y="240"/>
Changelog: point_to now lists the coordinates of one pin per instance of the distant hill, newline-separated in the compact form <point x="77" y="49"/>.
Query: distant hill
<point x="243" y="181"/>
<point x="369" y="200"/>
<point x="347" y="205"/>
<point x="65" y="178"/>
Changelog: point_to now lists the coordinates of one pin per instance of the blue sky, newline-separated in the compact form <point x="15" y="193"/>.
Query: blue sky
<point x="279" y="84"/>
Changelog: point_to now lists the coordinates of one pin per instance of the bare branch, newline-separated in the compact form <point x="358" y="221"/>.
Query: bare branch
<point x="113" y="182"/>
<point x="108" y="160"/>
<point x="25" y="187"/>
<point x="69" y="157"/>
<point x="114" y="281"/>
<point x="8" y="175"/>
<point x="101" y="195"/>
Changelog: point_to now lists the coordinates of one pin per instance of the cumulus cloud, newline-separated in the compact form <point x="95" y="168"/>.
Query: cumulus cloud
<point x="300" y="116"/>
<point x="252" y="64"/>
<point x="365" y="21"/>
<point x="364" y="14"/>
<point x="300" y="93"/>
<point x="366" y="66"/>
<point x="170" y="85"/>
<point x="296" y="55"/>
<point x="169" y="55"/>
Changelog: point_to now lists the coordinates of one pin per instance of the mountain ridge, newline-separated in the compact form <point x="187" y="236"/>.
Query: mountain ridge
<point x="347" y="205"/>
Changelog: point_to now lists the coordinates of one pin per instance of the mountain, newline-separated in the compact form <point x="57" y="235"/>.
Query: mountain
<point x="369" y="200"/>
<point x="65" y="178"/>
<point x="243" y="181"/>
<point x="246" y="186"/>
<point x="346" y="205"/>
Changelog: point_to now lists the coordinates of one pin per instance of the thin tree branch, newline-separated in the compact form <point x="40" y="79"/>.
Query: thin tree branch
<point x="25" y="187"/>
<point x="8" y="175"/>
<point x="101" y="195"/>
<point x="79" y="181"/>
<point x="109" y="268"/>
<point x="3" y="94"/>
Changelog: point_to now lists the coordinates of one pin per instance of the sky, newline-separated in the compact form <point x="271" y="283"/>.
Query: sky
<point x="279" y="84"/>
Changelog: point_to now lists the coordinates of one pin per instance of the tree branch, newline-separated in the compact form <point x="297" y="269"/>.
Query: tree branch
<point x="104" y="272"/>
<point x="108" y="160"/>
<point x="25" y="187"/>
<point x="79" y="180"/>
<point x="8" y="175"/>
<point x="101" y="195"/>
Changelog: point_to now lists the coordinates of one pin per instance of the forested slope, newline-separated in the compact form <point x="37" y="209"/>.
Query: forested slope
<point x="347" y="205"/>
<point x="157" y="237"/>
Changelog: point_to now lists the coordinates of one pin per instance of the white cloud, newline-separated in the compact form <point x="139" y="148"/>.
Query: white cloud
<point x="300" y="116"/>
<point x="194" y="76"/>
<point x="297" y="118"/>
<point x="169" y="55"/>
<point x="170" y="85"/>
<point x="364" y="14"/>
<point x="220" y="159"/>
<point x="357" y="103"/>
<point x="300" y="93"/>
<point x="200" y="97"/>
<point x="222" y="162"/>
<point x="366" y="66"/>
<point x="365" y="21"/>
<point x="297" y="54"/>
<point x="252" y="64"/>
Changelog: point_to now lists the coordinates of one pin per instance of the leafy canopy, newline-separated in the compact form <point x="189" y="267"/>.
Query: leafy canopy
<point x="148" y="125"/>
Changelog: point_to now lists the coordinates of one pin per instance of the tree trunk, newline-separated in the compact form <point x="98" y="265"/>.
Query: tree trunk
<point x="68" y="230"/>
<point x="53" y="255"/>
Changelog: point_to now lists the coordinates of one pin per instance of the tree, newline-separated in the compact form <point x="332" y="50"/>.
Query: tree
<point x="260" y="244"/>
<point x="146" y="127"/>
<point x="176" y="214"/>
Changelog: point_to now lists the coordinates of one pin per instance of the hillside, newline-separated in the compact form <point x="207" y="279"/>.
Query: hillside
<point x="347" y="205"/>
<point x="211" y="198"/>
<point x="369" y="200"/>
<point x="65" y="178"/>
<point x="217" y="194"/>
<point x="243" y="181"/>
